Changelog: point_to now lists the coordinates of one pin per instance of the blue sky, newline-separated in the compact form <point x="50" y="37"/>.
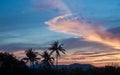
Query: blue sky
<point x="23" y="23"/>
<point x="20" y="23"/>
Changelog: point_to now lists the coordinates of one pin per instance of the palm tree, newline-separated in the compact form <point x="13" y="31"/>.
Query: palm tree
<point x="57" y="48"/>
<point x="31" y="56"/>
<point x="47" y="60"/>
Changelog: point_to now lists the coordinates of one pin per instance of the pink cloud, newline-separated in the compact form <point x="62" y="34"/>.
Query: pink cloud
<point x="91" y="57"/>
<point x="94" y="33"/>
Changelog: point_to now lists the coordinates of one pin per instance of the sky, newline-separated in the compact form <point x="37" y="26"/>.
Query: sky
<point x="89" y="29"/>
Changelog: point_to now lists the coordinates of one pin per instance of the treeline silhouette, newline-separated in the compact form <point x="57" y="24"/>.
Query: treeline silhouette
<point x="10" y="65"/>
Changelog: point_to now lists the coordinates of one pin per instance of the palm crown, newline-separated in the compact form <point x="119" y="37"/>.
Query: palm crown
<point x="56" y="47"/>
<point x="47" y="59"/>
<point x="31" y="56"/>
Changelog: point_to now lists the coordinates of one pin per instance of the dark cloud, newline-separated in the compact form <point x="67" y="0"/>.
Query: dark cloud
<point x="115" y="31"/>
<point x="106" y="54"/>
<point x="108" y="60"/>
<point x="79" y="58"/>
<point x="93" y="54"/>
<point x="20" y="46"/>
<point x="74" y="43"/>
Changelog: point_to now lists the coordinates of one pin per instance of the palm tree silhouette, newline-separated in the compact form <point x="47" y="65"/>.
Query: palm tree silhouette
<point x="57" y="48"/>
<point x="31" y="56"/>
<point x="47" y="60"/>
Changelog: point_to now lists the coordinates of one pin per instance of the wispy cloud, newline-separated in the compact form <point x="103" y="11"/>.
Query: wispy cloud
<point x="90" y="32"/>
<point x="92" y="57"/>
<point x="98" y="58"/>
<point x="56" y="5"/>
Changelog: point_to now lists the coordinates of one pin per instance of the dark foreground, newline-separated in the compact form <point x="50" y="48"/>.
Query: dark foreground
<point x="97" y="71"/>
<point x="9" y="65"/>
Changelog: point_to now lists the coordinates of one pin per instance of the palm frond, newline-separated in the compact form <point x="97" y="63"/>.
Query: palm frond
<point x="63" y="51"/>
<point x="52" y="52"/>
<point x="57" y="53"/>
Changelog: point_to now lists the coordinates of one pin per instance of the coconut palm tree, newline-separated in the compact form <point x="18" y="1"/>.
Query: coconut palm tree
<point x="57" y="48"/>
<point x="47" y="60"/>
<point x="31" y="56"/>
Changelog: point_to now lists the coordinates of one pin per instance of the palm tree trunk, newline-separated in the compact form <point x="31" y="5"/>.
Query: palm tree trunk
<point x="30" y="63"/>
<point x="56" y="61"/>
<point x="33" y="64"/>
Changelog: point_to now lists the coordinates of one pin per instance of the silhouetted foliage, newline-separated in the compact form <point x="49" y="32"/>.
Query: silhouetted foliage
<point x="47" y="60"/>
<point x="9" y="64"/>
<point x="57" y="48"/>
<point x="31" y="56"/>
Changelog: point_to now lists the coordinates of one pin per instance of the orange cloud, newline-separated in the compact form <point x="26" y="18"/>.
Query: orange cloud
<point x="94" y="58"/>
<point x="86" y="57"/>
<point x="94" y="33"/>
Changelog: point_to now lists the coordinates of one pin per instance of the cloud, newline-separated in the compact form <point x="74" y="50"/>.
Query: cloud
<point x="20" y="46"/>
<point x="56" y="5"/>
<point x="96" y="54"/>
<point x="92" y="57"/>
<point x="83" y="29"/>
<point x="115" y="30"/>
<point x="81" y="45"/>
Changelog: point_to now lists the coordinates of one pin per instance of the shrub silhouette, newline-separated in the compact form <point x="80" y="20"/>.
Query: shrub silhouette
<point x="9" y="64"/>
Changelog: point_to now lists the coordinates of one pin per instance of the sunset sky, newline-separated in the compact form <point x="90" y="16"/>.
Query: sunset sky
<point x="89" y="29"/>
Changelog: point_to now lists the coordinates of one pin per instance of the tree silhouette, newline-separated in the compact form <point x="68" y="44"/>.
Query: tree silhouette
<point x="57" y="48"/>
<point x="31" y="56"/>
<point x="9" y="63"/>
<point x="47" y="60"/>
